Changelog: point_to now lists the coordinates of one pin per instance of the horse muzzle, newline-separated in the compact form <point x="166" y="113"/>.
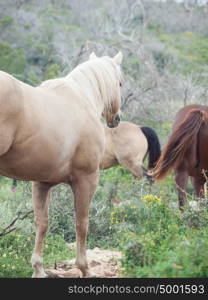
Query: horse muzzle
<point x="115" y="122"/>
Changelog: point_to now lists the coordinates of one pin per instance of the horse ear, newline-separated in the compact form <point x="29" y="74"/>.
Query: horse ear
<point x="118" y="58"/>
<point x="92" y="56"/>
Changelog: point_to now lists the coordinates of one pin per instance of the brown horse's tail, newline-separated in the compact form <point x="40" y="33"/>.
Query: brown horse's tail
<point x="183" y="138"/>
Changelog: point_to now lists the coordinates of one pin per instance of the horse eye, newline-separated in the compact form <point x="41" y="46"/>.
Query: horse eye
<point x="120" y="84"/>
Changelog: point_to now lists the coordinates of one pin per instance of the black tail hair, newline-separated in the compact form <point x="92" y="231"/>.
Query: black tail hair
<point x="154" y="149"/>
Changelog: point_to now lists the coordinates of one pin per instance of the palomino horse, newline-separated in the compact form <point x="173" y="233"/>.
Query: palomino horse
<point x="186" y="151"/>
<point x="52" y="134"/>
<point x="127" y="145"/>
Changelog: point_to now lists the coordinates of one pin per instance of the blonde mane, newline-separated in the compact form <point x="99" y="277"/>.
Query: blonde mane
<point x="96" y="82"/>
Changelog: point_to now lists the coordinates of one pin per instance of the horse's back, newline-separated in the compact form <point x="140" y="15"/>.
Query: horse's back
<point x="9" y="90"/>
<point x="5" y="78"/>
<point x="185" y="110"/>
<point x="129" y="141"/>
<point x="199" y="146"/>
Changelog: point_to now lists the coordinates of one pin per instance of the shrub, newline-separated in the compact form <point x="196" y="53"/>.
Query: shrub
<point x="12" y="60"/>
<point x="16" y="250"/>
<point x="167" y="246"/>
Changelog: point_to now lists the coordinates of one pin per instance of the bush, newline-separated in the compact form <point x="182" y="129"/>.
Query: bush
<point x="166" y="246"/>
<point x="12" y="60"/>
<point x="16" y="250"/>
<point x="52" y="71"/>
<point x="5" y="21"/>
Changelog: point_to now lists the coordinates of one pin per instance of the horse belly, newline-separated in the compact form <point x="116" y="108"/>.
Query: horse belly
<point x="36" y="164"/>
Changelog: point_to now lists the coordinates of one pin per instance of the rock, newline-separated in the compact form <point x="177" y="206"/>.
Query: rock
<point x="71" y="245"/>
<point x="102" y="263"/>
<point x="194" y="205"/>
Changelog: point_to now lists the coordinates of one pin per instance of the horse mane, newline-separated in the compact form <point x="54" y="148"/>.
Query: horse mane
<point x="95" y="81"/>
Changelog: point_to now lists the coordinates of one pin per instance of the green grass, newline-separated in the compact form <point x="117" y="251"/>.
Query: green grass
<point x="16" y="250"/>
<point x="156" y="239"/>
<point x="165" y="243"/>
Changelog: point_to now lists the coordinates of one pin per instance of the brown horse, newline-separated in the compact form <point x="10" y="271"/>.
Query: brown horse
<point x="53" y="134"/>
<point x="186" y="151"/>
<point x="127" y="145"/>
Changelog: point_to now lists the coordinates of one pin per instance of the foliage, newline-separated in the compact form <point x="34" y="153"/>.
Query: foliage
<point x="190" y="48"/>
<point x="52" y="71"/>
<point x="12" y="60"/>
<point x="16" y="250"/>
<point x="5" y="21"/>
<point x="166" y="246"/>
<point x="142" y="221"/>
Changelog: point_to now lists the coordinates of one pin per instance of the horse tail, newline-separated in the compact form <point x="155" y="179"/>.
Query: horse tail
<point x="184" y="137"/>
<point x="154" y="149"/>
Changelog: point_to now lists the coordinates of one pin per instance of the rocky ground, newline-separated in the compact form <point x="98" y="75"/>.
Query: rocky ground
<point x="102" y="263"/>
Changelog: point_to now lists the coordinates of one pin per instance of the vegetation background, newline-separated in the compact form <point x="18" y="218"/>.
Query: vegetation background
<point x="165" y="47"/>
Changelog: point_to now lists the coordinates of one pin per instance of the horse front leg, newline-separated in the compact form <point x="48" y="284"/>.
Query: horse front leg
<point x="40" y="195"/>
<point x="83" y="188"/>
<point x="181" y="179"/>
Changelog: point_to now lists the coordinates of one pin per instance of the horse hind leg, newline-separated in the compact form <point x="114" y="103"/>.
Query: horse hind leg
<point x="198" y="184"/>
<point x="181" y="179"/>
<point x="83" y="188"/>
<point x="40" y="193"/>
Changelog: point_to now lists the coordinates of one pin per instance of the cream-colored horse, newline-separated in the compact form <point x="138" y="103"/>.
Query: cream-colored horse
<point x="127" y="145"/>
<point x="52" y="134"/>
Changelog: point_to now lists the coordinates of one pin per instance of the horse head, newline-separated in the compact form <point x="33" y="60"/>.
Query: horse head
<point x="111" y="111"/>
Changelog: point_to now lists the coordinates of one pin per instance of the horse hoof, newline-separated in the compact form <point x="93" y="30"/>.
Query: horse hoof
<point x="53" y="275"/>
<point x="89" y="274"/>
<point x="40" y="275"/>
<point x="149" y="179"/>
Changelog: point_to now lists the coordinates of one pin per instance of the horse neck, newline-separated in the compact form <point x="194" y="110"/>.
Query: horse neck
<point x="108" y="136"/>
<point x="95" y="83"/>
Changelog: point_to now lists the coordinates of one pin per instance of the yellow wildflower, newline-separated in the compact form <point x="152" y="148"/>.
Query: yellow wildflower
<point x="151" y="199"/>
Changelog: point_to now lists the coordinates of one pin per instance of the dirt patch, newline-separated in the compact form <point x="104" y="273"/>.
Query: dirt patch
<point x="103" y="263"/>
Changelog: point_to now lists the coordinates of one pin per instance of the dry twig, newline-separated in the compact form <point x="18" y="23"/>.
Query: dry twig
<point x="11" y="227"/>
